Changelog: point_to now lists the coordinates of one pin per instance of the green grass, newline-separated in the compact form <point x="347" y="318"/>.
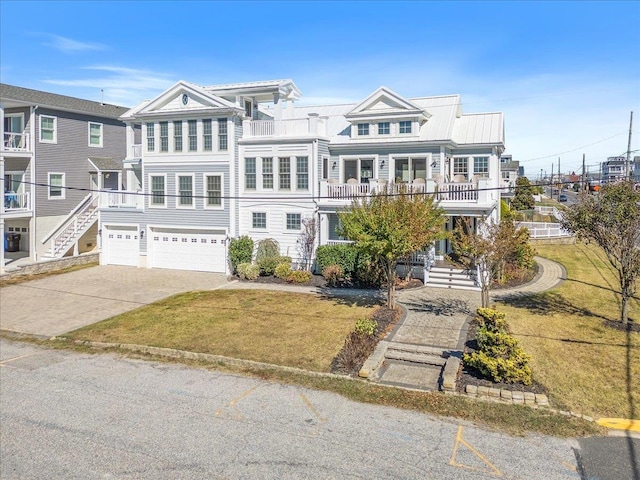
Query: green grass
<point x="586" y="366"/>
<point x="291" y="329"/>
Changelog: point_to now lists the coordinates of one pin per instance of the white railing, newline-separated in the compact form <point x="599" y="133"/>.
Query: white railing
<point x="16" y="142"/>
<point x="121" y="199"/>
<point x="83" y="219"/>
<point x="136" y="151"/>
<point x="348" y="191"/>
<point x="544" y="230"/>
<point x="457" y="192"/>
<point x="16" y="201"/>
<point x="553" y="211"/>
<point x="339" y="242"/>
<point x="284" y="128"/>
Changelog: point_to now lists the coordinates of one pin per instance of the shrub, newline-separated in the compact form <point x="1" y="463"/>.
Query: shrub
<point x="267" y="248"/>
<point x="240" y="251"/>
<point x="282" y="271"/>
<point x="333" y="274"/>
<point x="268" y="265"/>
<point x="248" y="271"/>
<point x="368" y="272"/>
<point x="299" y="276"/>
<point x="343" y="255"/>
<point x="366" y="326"/>
<point x="500" y="357"/>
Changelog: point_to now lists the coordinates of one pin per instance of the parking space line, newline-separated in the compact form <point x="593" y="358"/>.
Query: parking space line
<point x="16" y="358"/>
<point x="234" y="402"/>
<point x="459" y="440"/>
<point x="313" y="409"/>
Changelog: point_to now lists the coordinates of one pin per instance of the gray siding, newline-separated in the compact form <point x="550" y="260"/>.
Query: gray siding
<point x="69" y="156"/>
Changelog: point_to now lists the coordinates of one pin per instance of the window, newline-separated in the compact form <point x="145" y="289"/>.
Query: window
<point x="481" y="166"/>
<point x="177" y="136"/>
<point x="363" y="129"/>
<point x="250" y="173"/>
<point x="164" y="136"/>
<point x="95" y="134"/>
<point x="56" y="185"/>
<point x="302" y="173"/>
<point x="285" y="174"/>
<point x="185" y="190"/>
<point x="384" y="128"/>
<point x="151" y="141"/>
<point x="222" y="134"/>
<point x="294" y="221"/>
<point x="460" y="166"/>
<point x="193" y="135"/>
<point x="157" y="190"/>
<point x="325" y="168"/>
<point x="207" y="136"/>
<point x="48" y="130"/>
<point x="267" y="173"/>
<point x="214" y="190"/>
<point x="360" y="169"/>
<point x="259" y="220"/>
<point x="405" y="126"/>
<point x="248" y="108"/>
<point x="408" y="169"/>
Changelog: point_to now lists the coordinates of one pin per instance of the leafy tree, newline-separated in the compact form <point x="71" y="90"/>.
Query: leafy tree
<point x="523" y="196"/>
<point x="491" y="250"/>
<point x="612" y="220"/>
<point x="389" y="226"/>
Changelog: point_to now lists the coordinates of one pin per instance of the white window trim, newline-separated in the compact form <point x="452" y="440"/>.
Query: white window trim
<point x="260" y="174"/>
<point x="284" y="222"/>
<point x="101" y="134"/>
<point x="376" y="164"/>
<point x="63" y="189"/>
<point x="266" y="221"/>
<point x="55" y="129"/>
<point x="411" y="133"/>
<point x="193" y="194"/>
<point x="151" y="204"/>
<point x="205" y="195"/>
<point x="394" y="156"/>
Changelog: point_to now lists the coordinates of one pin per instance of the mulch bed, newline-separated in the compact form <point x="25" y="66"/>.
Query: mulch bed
<point x="471" y="376"/>
<point x="320" y="282"/>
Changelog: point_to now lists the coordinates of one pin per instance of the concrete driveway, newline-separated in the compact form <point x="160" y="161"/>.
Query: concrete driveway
<point x="62" y="303"/>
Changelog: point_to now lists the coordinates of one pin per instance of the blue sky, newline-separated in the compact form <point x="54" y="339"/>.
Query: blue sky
<point x="565" y="74"/>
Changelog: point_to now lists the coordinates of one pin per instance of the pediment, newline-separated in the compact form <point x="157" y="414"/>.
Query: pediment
<point x="185" y="96"/>
<point x="385" y="101"/>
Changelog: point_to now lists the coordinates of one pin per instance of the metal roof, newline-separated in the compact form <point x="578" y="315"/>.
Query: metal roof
<point x="479" y="128"/>
<point x="15" y="96"/>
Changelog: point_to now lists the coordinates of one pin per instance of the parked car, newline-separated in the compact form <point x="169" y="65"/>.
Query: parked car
<point x="562" y="198"/>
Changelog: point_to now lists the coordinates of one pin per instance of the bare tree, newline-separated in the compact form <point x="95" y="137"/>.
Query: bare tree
<point x="307" y="241"/>
<point x="611" y="219"/>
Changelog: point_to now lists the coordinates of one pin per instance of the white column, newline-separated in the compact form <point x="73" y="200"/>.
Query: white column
<point x="2" y="190"/>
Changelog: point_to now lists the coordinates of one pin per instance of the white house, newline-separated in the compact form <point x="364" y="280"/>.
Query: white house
<point x="218" y="162"/>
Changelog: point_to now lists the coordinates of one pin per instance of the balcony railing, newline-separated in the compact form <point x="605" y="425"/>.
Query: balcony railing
<point x="16" y="142"/>
<point x="16" y="201"/>
<point x="121" y="199"/>
<point x="449" y="192"/>
<point x="297" y="127"/>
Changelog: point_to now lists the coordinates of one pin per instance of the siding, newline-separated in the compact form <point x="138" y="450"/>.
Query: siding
<point x="69" y="156"/>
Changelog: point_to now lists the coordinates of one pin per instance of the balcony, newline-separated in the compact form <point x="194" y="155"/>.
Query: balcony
<point x="449" y="194"/>
<point x="121" y="199"/>
<point x="16" y="142"/>
<point x="313" y="126"/>
<point x="17" y="204"/>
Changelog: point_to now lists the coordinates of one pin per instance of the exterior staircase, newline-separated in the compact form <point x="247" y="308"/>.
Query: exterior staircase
<point x="446" y="276"/>
<point x="66" y="234"/>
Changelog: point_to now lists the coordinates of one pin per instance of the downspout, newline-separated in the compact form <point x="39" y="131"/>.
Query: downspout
<point x="32" y="228"/>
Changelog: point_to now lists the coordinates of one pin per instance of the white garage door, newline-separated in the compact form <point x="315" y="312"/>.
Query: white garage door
<point x="120" y="246"/>
<point x="187" y="250"/>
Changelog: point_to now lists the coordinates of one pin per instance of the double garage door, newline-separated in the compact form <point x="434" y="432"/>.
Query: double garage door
<point x="178" y="249"/>
<point x="182" y="249"/>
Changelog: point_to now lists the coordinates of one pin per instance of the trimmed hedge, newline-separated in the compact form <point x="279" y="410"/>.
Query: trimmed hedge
<point x="240" y="251"/>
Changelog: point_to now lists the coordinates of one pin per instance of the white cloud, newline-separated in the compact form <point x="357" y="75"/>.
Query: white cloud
<point x="120" y="85"/>
<point x="68" y="45"/>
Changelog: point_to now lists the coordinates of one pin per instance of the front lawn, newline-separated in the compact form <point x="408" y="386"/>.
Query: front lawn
<point x="586" y="366"/>
<point x="291" y="329"/>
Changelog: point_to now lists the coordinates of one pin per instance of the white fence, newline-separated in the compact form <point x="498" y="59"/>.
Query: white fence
<point x="544" y="230"/>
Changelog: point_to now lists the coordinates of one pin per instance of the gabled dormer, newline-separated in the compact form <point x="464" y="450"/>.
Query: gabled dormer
<point x="384" y="113"/>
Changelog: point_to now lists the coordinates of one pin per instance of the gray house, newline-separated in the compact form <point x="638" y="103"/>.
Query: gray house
<point x="56" y="151"/>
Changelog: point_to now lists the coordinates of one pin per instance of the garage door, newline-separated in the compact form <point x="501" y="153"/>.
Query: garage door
<point x="187" y="250"/>
<point x="120" y="246"/>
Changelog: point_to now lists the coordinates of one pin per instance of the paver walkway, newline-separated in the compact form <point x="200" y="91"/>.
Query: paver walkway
<point x="437" y="318"/>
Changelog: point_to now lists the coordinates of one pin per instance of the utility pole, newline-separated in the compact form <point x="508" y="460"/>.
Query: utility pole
<point x="627" y="163"/>
<point x="584" y="173"/>
<point x="559" y="180"/>
<point x="551" y="182"/>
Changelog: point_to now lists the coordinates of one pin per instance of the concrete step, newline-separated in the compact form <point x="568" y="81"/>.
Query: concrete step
<point x="454" y="278"/>
<point x="413" y="348"/>
<point x="449" y="270"/>
<point x="422" y="358"/>
<point x="453" y="286"/>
